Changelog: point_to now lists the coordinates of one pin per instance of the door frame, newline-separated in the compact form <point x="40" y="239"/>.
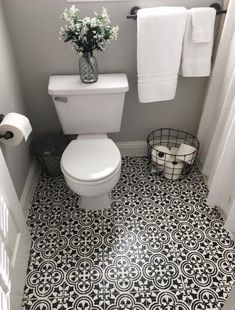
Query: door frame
<point x="23" y="241"/>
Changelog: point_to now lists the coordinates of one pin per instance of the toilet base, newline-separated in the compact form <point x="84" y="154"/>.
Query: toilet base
<point x="95" y="202"/>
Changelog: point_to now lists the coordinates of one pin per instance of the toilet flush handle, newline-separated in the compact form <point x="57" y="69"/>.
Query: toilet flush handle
<point x="61" y="99"/>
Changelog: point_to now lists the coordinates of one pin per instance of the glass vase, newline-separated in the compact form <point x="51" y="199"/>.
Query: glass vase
<point x="88" y="68"/>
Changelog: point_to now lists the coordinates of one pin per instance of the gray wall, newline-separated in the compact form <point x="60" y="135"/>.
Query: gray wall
<point x="18" y="158"/>
<point x="34" y="27"/>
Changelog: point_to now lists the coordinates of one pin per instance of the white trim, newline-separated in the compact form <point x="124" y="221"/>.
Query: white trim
<point x="21" y="263"/>
<point x="29" y="186"/>
<point x="132" y="148"/>
<point x="73" y="1"/>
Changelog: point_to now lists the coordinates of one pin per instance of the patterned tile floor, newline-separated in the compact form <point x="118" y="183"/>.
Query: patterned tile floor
<point x="159" y="247"/>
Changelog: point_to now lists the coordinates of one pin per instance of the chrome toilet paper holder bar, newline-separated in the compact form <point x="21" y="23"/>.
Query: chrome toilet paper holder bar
<point x="8" y="134"/>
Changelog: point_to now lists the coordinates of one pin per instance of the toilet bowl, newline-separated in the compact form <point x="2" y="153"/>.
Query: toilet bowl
<point x="91" y="168"/>
<point x="91" y="164"/>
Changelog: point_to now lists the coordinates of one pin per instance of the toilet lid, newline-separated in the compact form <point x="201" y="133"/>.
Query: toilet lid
<point x="90" y="160"/>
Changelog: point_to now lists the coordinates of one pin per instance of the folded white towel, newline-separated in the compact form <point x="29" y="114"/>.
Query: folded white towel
<point x="160" y="33"/>
<point x="196" y="57"/>
<point x="203" y="20"/>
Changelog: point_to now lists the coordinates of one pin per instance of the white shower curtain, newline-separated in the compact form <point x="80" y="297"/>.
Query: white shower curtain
<point x="217" y="127"/>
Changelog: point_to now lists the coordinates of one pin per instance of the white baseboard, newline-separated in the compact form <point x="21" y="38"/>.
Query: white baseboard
<point x="132" y="148"/>
<point x="29" y="186"/>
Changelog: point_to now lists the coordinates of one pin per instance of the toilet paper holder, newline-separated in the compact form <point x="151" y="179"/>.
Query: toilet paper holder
<point x="8" y="134"/>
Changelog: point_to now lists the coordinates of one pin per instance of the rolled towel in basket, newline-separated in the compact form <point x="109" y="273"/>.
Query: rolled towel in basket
<point x="174" y="150"/>
<point x="186" y="153"/>
<point x="160" y="154"/>
<point x="173" y="169"/>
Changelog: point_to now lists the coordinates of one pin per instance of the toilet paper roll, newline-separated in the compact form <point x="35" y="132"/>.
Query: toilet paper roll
<point x="19" y="125"/>
<point x="160" y="154"/>
<point x="186" y="153"/>
<point x="173" y="169"/>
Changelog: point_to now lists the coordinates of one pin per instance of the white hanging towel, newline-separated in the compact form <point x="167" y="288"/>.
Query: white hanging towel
<point x="160" y="34"/>
<point x="198" y="42"/>
<point x="203" y="20"/>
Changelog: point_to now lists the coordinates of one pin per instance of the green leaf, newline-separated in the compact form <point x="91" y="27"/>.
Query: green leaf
<point x="68" y="39"/>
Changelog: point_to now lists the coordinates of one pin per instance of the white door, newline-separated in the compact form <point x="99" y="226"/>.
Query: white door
<point x="14" y="243"/>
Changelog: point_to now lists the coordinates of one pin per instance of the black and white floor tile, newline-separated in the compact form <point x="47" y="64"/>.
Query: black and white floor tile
<point x="159" y="247"/>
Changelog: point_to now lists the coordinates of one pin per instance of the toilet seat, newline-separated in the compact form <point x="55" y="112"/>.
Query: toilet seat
<point x="90" y="160"/>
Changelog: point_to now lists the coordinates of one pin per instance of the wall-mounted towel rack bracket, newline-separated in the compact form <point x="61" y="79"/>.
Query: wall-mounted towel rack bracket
<point x="6" y="135"/>
<point x="133" y="12"/>
<point x="216" y="6"/>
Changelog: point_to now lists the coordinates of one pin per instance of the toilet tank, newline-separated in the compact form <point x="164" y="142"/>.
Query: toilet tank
<point x="89" y="108"/>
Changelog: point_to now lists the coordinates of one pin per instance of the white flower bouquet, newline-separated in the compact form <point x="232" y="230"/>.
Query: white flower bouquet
<point x="87" y="34"/>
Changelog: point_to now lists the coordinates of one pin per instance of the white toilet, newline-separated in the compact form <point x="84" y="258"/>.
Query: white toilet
<point x="91" y="164"/>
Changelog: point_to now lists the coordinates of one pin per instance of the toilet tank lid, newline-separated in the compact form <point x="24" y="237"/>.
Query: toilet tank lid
<point x="65" y="85"/>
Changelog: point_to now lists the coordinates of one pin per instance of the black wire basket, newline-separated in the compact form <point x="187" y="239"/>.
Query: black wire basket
<point x="49" y="148"/>
<point x="171" y="153"/>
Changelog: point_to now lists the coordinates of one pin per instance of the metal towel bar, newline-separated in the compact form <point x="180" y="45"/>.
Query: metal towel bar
<point x="216" y="6"/>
